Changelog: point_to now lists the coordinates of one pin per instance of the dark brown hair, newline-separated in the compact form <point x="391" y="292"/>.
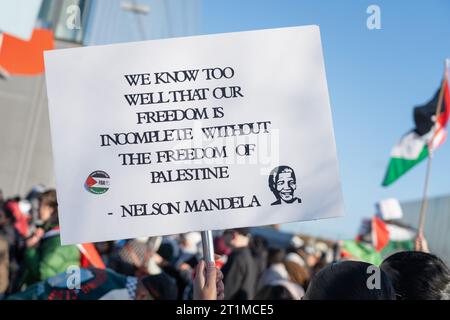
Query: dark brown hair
<point x="48" y="198"/>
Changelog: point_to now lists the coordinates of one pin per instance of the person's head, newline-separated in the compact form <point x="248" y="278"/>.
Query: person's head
<point x="156" y="287"/>
<point x="418" y="275"/>
<point x="298" y="273"/>
<point x="350" y="280"/>
<point x="220" y="246"/>
<point x="258" y="245"/>
<point x="282" y="183"/>
<point x="237" y="238"/>
<point x="48" y="206"/>
<point x="35" y="192"/>
<point x="169" y="251"/>
<point x="135" y="257"/>
<point x="280" y="290"/>
<point x="275" y="292"/>
<point x="308" y="254"/>
<point x="190" y="242"/>
<point x="275" y="255"/>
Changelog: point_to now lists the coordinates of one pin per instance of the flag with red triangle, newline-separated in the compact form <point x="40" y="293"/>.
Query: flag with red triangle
<point x="430" y="132"/>
<point x="380" y="234"/>
<point x="90" y="256"/>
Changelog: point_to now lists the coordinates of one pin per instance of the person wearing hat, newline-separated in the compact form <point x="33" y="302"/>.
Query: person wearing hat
<point x="137" y="257"/>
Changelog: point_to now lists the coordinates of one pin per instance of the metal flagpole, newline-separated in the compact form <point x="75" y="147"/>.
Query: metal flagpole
<point x="208" y="245"/>
<point x="424" y="206"/>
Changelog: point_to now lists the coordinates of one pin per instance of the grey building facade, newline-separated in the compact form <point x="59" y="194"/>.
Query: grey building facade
<point x="437" y="223"/>
<point x="25" y="147"/>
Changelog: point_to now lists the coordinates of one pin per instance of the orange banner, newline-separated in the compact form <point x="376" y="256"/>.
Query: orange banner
<point x="25" y="58"/>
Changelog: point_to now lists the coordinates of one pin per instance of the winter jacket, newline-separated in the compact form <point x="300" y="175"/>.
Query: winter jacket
<point x="49" y="258"/>
<point x="275" y="272"/>
<point x="240" y="275"/>
<point x="87" y="284"/>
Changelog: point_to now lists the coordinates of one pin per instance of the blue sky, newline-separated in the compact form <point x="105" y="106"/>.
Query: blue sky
<point x="375" y="78"/>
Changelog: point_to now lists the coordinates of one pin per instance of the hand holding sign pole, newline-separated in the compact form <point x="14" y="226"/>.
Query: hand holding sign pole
<point x="207" y="246"/>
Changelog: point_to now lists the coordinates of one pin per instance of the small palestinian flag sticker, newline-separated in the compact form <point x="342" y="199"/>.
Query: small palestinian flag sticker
<point x="97" y="182"/>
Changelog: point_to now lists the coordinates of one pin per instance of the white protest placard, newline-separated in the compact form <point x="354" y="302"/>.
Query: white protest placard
<point x="191" y="134"/>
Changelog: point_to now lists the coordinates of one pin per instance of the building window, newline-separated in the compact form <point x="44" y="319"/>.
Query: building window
<point x="67" y="18"/>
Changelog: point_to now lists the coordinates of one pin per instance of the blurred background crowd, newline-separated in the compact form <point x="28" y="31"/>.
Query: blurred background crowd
<point x="256" y="263"/>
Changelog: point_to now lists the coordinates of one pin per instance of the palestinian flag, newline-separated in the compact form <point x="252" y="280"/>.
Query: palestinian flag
<point x="378" y="239"/>
<point x="360" y="251"/>
<point x="429" y="133"/>
<point x="90" y="256"/>
<point x="374" y="231"/>
<point x="380" y="234"/>
<point x="97" y="182"/>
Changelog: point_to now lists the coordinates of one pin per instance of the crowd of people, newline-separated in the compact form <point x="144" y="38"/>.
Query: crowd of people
<point x="34" y="265"/>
